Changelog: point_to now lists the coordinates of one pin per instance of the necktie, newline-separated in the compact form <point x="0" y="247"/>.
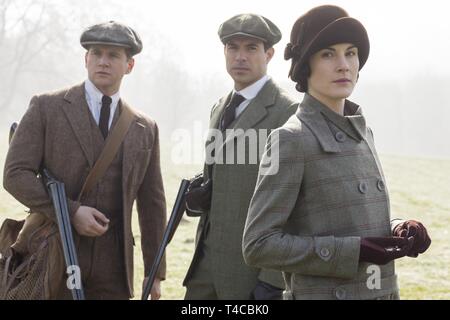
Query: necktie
<point x="230" y="110"/>
<point x="104" y="115"/>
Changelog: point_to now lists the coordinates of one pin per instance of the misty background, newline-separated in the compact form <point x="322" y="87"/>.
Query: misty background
<point x="403" y="88"/>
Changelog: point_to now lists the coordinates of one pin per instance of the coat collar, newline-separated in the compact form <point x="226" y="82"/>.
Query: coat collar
<point x="316" y="115"/>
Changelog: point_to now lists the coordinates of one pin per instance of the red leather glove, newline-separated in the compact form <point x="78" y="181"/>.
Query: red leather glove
<point x="381" y="250"/>
<point x="415" y="229"/>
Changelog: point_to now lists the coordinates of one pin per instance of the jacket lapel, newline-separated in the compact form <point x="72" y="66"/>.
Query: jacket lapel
<point x="309" y="114"/>
<point x="257" y="109"/>
<point x="216" y="114"/>
<point x="255" y="112"/>
<point x="77" y="112"/>
<point x="214" y="123"/>
<point x="130" y="145"/>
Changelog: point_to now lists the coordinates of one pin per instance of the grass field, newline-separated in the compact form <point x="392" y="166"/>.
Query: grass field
<point x="419" y="189"/>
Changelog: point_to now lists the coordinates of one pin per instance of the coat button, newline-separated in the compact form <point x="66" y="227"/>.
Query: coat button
<point x="324" y="252"/>
<point x="340" y="293"/>
<point x="380" y="185"/>
<point x="362" y="187"/>
<point x="340" y="136"/>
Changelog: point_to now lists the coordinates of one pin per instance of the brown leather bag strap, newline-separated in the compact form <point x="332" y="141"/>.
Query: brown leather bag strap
<point x="113" y="142"/>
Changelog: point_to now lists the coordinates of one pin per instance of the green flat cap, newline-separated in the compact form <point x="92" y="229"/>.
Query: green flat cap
<point x="250" y="25"/>
<point x="114" y="34"/>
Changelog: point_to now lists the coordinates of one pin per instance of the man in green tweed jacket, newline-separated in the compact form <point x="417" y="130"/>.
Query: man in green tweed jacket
<point x="256" y="105"/>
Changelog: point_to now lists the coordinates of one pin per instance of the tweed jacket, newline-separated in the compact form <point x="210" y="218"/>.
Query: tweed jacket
<point x="233" y="186"/>
<point x="54" y="133"/>
<point x="307" y="220"/>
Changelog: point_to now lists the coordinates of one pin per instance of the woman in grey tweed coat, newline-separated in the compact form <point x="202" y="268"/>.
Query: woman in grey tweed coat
<point x="323" y="215"/>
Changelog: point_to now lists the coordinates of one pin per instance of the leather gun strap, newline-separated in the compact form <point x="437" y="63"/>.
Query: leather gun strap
<point x="113" y="142"/>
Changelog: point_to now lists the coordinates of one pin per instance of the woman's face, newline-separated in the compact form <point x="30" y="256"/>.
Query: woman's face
<point x="334" y="72"/>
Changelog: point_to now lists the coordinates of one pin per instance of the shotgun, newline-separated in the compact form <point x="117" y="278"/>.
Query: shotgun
<point x="175" y="218"/>
<point x="59" y="199"/>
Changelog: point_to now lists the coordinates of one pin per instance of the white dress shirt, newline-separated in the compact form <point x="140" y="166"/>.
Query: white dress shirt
<point x="94" y="101"/>
<point x="249" y="93"/>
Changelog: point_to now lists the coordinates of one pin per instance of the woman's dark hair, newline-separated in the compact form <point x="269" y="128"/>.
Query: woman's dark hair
<point x="302" y="76"/>
<point x="298" y="73"/>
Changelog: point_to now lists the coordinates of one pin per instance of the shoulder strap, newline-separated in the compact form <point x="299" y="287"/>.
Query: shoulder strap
<point x="113" y="142"/>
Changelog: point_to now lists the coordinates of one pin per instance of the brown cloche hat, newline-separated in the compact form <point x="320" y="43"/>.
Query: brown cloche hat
<point x="112" y="33"/>
<point x="319" y="28"/>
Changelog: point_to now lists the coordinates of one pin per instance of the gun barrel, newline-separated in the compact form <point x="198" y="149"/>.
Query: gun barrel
<point x="174" y="221"/>
<point x="59" y="200"/>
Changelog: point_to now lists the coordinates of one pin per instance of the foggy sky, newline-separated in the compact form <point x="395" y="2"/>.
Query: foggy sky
<point x="403" y="88"/>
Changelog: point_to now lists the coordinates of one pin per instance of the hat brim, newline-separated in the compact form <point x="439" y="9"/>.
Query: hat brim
<point x="87" y="44"/>
<point x="241" y="34"/>
<point x="343" y="30"/>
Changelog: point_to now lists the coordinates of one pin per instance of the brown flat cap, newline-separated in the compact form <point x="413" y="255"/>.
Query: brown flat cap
<point x="114" y="34"/>
<point x="250" y="25"/>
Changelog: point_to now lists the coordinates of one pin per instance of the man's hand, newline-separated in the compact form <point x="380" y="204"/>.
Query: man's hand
<point x="198" y="196"/>
<point x="155" y="293"/>
<point x="415" y="229"/>
<point x="90" y="222"/>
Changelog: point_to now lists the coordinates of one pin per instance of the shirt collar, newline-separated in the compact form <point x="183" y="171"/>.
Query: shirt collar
<point x="252" y="90"/>
<point x="96" y="95"/>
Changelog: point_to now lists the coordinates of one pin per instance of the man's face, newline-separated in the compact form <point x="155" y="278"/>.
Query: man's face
<point x="246" y="60"/>
<point x="334" y="72"/>
<point x="106" y="67"/>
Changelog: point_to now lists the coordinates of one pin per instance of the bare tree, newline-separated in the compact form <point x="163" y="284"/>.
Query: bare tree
<point x="26" y="30"/>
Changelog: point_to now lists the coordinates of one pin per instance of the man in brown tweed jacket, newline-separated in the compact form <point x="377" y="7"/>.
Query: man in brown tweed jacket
<point x="65" y="132"/>
<point x="324" y="217"/>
